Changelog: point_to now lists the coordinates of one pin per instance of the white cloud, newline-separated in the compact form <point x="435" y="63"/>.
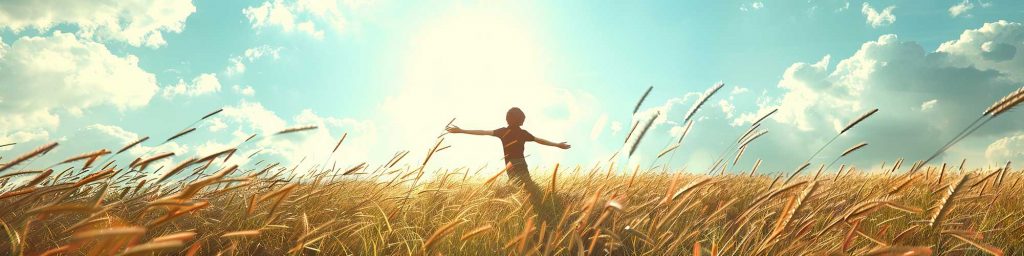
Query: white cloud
<point x="315" y="146"/>
<point x="876" y="18"/>
<point x="237" y="65"/>
<point x="738" y="90"/>
<point x="42" y="78"/>
<point x="246" y="90"/>
<point x="727" y="107"/>
<point x="136" y="22"/>
<point x="925" y="106"/>
<point x="994" y="47"/>
<point x="900" y="78"/>
<point x="846" y="6"/>
<point x="757" y="5"/>
<point x="615" y="127"/>
<point x="961" y="9"/>
<point x="216" y="124"/>
<point x="305" y="16"/>
<point x="261" y="51"/>
<point x="201" y="85"/>
<point x="1006" y="149"/>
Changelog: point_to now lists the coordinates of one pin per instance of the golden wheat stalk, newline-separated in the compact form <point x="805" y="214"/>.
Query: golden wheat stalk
<point x="440" y="233"/>
<point x="29" y="155"/>
<point x="946" y="202"/>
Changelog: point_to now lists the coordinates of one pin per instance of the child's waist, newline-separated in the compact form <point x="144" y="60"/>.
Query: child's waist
<point x="515" y="161"/>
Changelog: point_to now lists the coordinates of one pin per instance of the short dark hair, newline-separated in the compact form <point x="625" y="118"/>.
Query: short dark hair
<point x="515" y="117"/>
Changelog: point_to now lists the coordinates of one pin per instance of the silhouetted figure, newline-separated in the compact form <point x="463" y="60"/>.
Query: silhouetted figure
<point x="513" y="138"/>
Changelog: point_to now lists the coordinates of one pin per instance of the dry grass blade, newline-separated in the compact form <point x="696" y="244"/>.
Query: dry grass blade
<point x="180" y="236"/>
<point x="149" y="160"/>
<point x="61" y="208"/>
<point x="764" y="116"/>
<point x="242" y="233"/>
<point x="29" y="155"/>
<point x="964" y="236"/>
<point x="689" y="188"/>
<point x="476" y="231"/>
<point x="152" y="247"/>
<point x="339" y="142"/>
<point x="858" y="120"/>
<point x="354" y="169"/>
<point x="854" y="148"/>
<point x="685" y="132"/>
<point x="668" y="149"/>
<point x="747" y="133"/>
<point x="19" y="173"/>
<point x="496" y="175"/>
<point x="296" y="129"/>
<point x="797" y="172"/>
<point x="642" y="133"/>
<point x="440" y="233"/>
<point x="93" y="154"/>
<point x="39" y="178"/>
<point x="641" y="101"/>
<point x="109" y="232"/>
<point x="899" y="250"/>
<point x="703" y="98"/>
<point x="211" y="114"/>
<point x="133" y="144"/>
<point x="178" y="168"/>
<point x="1006" y="103"/>
<point x="752" y="138"/>
<point x="8" y="144"/>
<point x="181" y="133"/>
<point x="946" y="202"/>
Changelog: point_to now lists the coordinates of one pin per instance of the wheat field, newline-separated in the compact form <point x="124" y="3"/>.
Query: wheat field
<point x="94" y="204"/>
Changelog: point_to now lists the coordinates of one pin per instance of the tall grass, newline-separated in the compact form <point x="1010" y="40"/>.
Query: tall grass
<point x="267" y="208"/>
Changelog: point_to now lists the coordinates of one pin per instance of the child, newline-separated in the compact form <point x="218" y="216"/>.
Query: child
<point x="513" y="137"/>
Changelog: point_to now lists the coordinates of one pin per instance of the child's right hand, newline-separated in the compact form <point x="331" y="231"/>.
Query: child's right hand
<point x="563" y="145"/>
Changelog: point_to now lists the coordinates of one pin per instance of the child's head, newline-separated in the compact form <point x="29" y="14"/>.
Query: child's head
<point x="515" y="117"/>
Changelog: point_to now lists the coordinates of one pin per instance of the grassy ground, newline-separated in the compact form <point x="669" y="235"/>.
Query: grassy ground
<point x="253" y="212"/>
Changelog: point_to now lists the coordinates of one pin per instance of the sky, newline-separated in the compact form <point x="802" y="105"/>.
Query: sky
<point x="390" y="74"/>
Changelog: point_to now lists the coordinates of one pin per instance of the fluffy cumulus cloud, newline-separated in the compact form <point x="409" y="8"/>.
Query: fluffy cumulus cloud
<point x="877" y="18"/>
<point x="901" y="79"/>
<point x="42" y="78"/>
<point x="961" y="8"/>
<point x="305" y="16"/>
<point x="201" y="85"/>
<point x="1006" y="149"/>
<point x="994" y="46"/>
<point x="136" y="22"/>
<point x="238" y="63"/>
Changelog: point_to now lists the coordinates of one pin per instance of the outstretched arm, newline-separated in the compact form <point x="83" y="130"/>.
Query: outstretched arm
<point x="456" y="129"/>
<point x="563" y="145"/>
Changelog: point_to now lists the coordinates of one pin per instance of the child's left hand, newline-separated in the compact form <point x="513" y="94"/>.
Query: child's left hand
<point x="453" y="129"/>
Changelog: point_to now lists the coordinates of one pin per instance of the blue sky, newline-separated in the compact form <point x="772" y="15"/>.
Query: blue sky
<point x="391" y="74"/>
